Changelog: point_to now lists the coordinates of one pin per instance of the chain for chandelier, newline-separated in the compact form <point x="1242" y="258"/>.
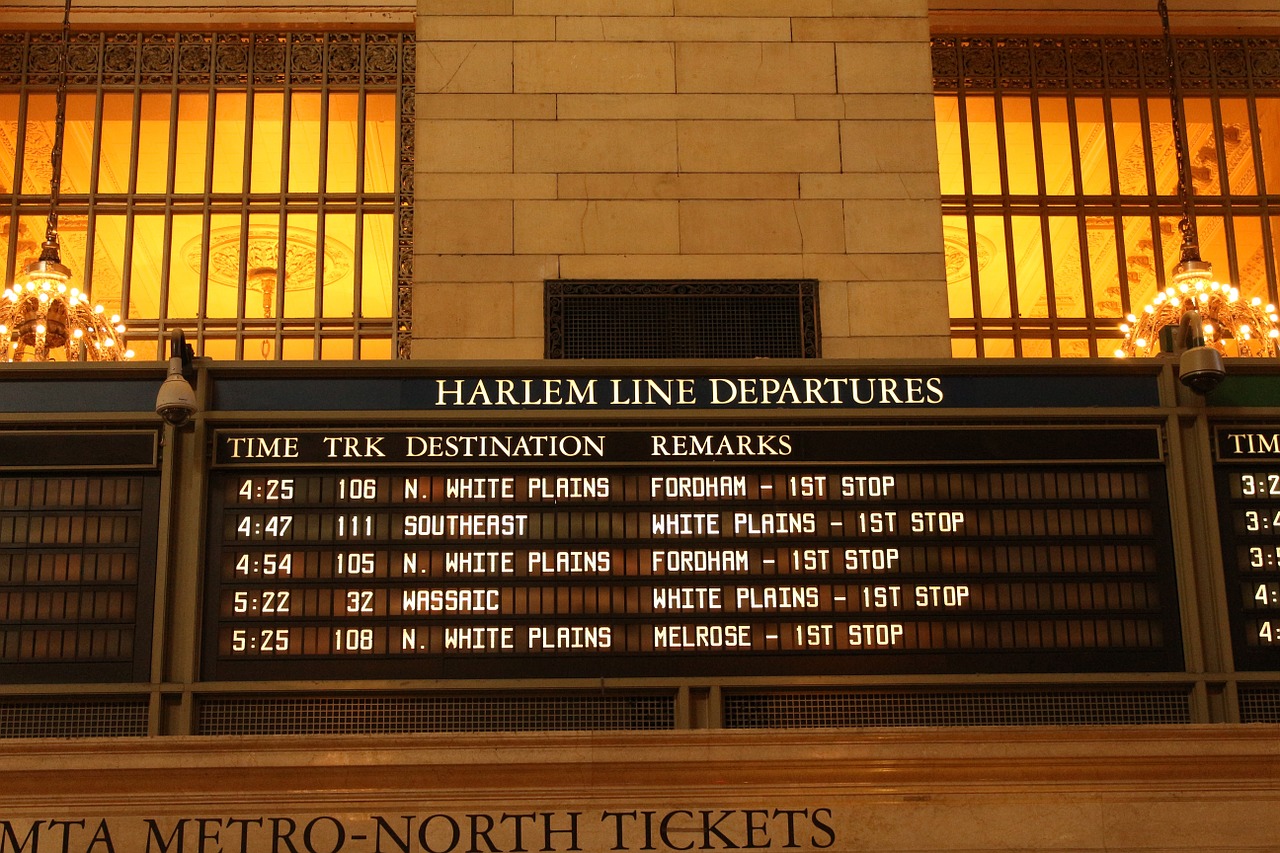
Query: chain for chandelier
<point x="41" y="315"/>
<point x="1232" y="325"/>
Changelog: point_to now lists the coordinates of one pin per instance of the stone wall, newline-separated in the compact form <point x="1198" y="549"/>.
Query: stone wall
<point x="676" y="139"/>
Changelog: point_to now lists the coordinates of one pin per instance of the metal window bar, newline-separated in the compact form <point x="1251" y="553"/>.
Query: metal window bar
<point x="1104" y="69"/>
<point x="111" y="65"/>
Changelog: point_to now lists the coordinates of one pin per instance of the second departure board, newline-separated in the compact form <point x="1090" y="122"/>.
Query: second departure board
<point x="1248" y="483"/>
<point x="527" y="553"/>
<point x="78" y="531"/>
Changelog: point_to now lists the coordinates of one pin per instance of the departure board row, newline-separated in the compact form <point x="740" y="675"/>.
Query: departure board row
<point x="849" y="552"/>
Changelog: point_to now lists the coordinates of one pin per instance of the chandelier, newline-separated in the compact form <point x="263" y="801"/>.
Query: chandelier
<point x="42" y="316"/>
<point x="1230" y="324"/>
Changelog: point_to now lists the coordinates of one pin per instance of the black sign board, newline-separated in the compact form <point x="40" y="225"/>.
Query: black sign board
<point x="1247" y="476"/>
<point x="526" y="552"/>
<point x="78" y="531"/>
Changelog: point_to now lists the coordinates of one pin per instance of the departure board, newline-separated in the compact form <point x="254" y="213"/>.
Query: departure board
<point x="1248" y="484"/>
<point x="78" y="521"/>
<point x="531" y="553"/>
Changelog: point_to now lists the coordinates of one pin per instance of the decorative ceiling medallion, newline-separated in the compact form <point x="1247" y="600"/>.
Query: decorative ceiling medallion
<point x="956" y="246"/>
<point x="263" y="253"/>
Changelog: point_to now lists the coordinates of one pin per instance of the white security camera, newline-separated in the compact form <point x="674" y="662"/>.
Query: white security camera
<point x="176" y="402"/>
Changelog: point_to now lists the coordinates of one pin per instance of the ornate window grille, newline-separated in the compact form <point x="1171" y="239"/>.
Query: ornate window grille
<point x="255" y="190"/>
<point x="1059" y="187"/>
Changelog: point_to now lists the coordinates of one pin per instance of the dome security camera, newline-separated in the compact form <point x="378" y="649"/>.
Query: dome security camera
<point x="1201" y="369"/>
<point x="176" y="402"/>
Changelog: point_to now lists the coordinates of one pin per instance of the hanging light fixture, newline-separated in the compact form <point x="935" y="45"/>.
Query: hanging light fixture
<point x="1232" y="325"/>
<point x="41" y="314"/>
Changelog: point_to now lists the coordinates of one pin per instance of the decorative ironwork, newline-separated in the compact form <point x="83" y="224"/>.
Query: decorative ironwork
<point x="989" y="63"/>
<point x="169" y="60"/>
<point x="1124" y="238"/>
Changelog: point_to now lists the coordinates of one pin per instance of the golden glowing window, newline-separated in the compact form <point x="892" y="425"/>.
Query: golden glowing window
<point x="1059" y="182"/>
<point x="254" y="191"/>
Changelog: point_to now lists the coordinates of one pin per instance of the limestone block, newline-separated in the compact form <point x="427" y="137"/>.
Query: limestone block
<point x="530" y="309"/>
<point x="595" y="146"/>
<point x="893" y="226"/>
<point x="479" y="28"/>
<point x="762" y="8"/>
<point x="464" y="310"/>
<point x="639" y="106"/>
<point x="478" y="349"/>
<point x="473" y="7"/>
<point x="891" y="107"/>
<point x="833" y="309"/>
<point x="595" y="7"/>
<point x="889" y="146"/>
<point x="758" y="68"/>
<point x="463" y="67"/>
<point x="866" y="185"/>
<point x="878" y="308"/>
<point x="884" y="8"/>
<point x="884" y="67"/>
<point x="461" y="227"/>
<point x="872" y="266"/>
<point x="681" y="266"/>
<point x="759" y="146"/>
<point x="615" y="227"/>
<point x="593" y="67"/>
<point x="486" y="106"/>
<point x="463" y="146"/>
<point x="862" y="28"/>
<point x="672" y="29"/>
<point x="761" y="226"/>
<point x="468" y="268"/>
<point x="451" y="186"/>
<point x="682" y="186"/>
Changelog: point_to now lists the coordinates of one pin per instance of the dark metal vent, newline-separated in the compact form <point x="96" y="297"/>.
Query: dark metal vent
<point x="955" y="708"/>
<point x="682" y="319"/>
<point x="1260" y="704"/>
<point x="405" y="714"/>
<point x="66" y="718"/>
